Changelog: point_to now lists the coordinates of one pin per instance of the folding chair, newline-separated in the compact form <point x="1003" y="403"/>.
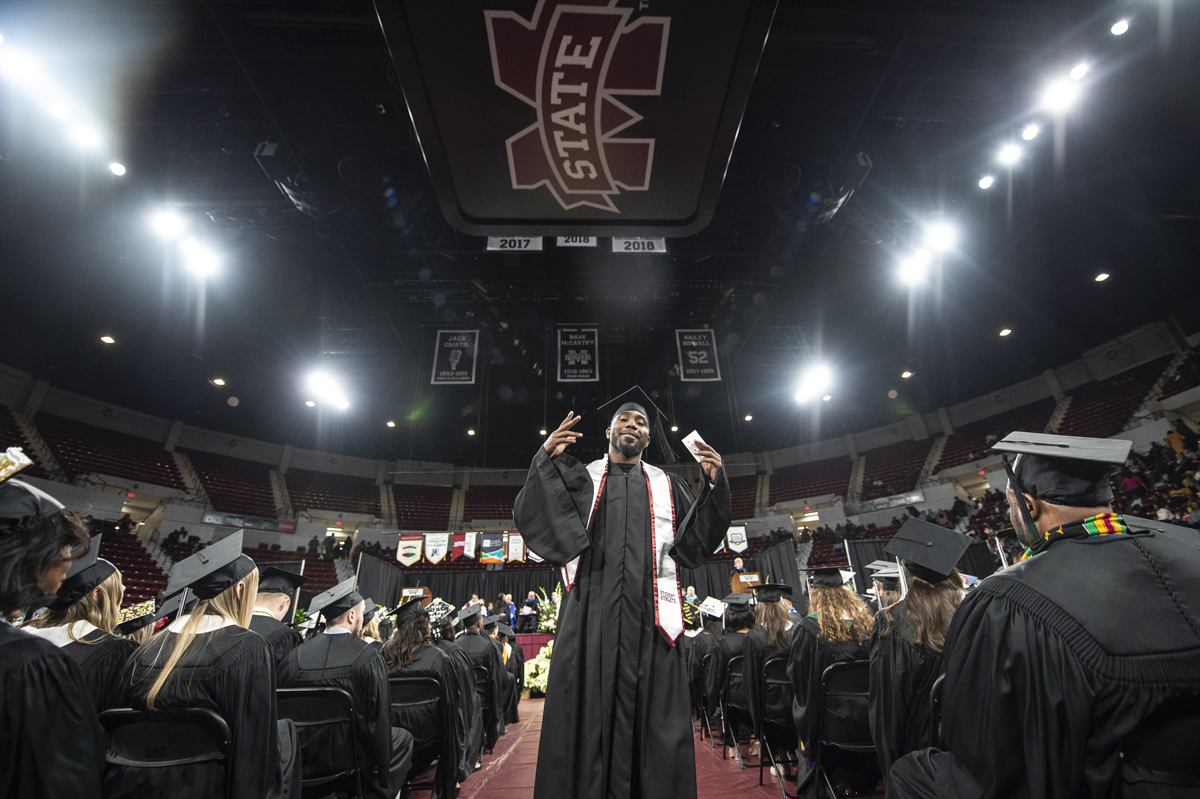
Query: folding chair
<point x="326" y="728"/>
<point x="699" y="702"/>
<point x="733" y="705"/>
<point x="843" y="722"/>
<point x="935" y="712"/>
<point x="777" y="733"/>
<point x="194" y="738"/>
<point x="483" y="687"/>
<point x="416" y="706"/>
<point x="1158" y="759"/>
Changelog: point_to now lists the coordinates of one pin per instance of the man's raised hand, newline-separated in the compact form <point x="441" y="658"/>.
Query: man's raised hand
<point x="563" y="437"/>
<point x="710" y="460"/>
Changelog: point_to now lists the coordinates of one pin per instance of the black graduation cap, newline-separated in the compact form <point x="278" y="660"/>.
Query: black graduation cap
<point x="1064" y="470"/>
<point x="505" y="630"/>
<point x="274" y="580"/>
<point x="211" y="570"/>
<point x="83" y="576"/>
<point x="408" y="610"/>
<point x="131" y="626"/>
<point x="171" y="606"/>
<point x="828" y="576"/>
<point x="930" y="551"/>
<point x="22" y="505"/>
<point x="772" y="592"/>
<point x="369" y="610"/>
<point x="637" y="400"/>
<point x="337" y="600"/>
<point x="490" y="623"/>
<point x="737" y="600"/>
<point x="469" y="615"/>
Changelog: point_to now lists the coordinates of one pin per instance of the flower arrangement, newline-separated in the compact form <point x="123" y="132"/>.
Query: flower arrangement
<point x="537" y="671"/>
<point x="548" y="610"/>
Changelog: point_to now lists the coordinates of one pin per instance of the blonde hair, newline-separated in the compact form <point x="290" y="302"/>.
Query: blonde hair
<point x="100" y="607"/>
<point x="370" y="630"/>
<point x="841" y="614"/>
<point x="226" y="605"/>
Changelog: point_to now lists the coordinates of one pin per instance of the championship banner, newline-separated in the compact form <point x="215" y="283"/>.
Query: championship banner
<point x="436" y="546"/>
<point x="516" y="548"/>
<point x="493" y="548"/>
<point x="458" y="547"/>
<point x="454" y="357"/>
<point x="408" y="551"/>
<point x="697" y="356"/>
<point x="736" y="538"/>
<point x="578" y="355"/>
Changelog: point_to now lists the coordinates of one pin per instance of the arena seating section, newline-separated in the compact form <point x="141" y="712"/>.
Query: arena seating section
<point x="83" y="449"/>
<point x="743" y="490"/>
<point x="11" y="436"/>
<point x="489" y="502"/>
<point x="829" y="553"/>
<point x="322" y="574"/>
<point x="235" y="485"/>
<point x="969" y="442"/>
<point x="422" y="507"/>
<point x="806" y="480"/>
<point x="1101" y="409"/>
<point x="897" y="466"/>
<point x="140" y="574"/>
<point x="309" y="490"/>
<point x="1185" y="377"/>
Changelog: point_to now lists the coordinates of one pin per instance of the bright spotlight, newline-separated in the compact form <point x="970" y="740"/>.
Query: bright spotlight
<point x="58" y="111"/>
<point x="542" y="432"/>
<point x="749" y="418"/>
<point x="471" y="432"/>
<point x="1119" y="27"/>
<point x="827" y="397"/>
<point x="913" y="269"/>
<point x="1078" y="71"/>
<point x="327" y="390"/>
<point x="218" y="381"/>
<point x="391" y="423"/>
<point x="906" y="374"/>
<point x="198" y="259"/>
<point x="817" y="379"/>
<point x="1009" y="154"/>
<point x="1103" y="276"/>
<point x="310" y="403"/>
<point x="940" y="236"/>
<point x="116" y="169"/>
<point x="167" y="224"/>
<point x="1030" y="132"/>
<point x="86" y="138"/>
<point x="1060" y="95"/>
<point x="108" y="339"/>
<point x="674" y="428"/>
<point x="1006" y="332"/>
<point x="986" y="181"/>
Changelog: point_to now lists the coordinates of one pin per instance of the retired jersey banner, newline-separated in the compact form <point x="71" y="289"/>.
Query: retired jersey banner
<point x="578" y="355"/>
<point x="736" y="538"/>
<point x="697" y="356"/>
<point x="516" y="548"/>
<point x="576" y="117"/>
<point x="408" y="551"/>
<point x="436" y="546"/>
<point x="493" y="548"/>
<point x="454" y="357"/>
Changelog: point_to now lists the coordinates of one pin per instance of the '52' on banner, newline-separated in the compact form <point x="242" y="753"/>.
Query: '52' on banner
<point x="697" y="356"/>
<point x="578" y="355"/>
<point x="454" y="357"/>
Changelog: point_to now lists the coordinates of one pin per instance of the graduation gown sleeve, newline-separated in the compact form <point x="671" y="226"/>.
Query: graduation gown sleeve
<point x="705" y="521"/>
<point x="552" y="509"/>
<point x="902" y="675"/>
<point x="805" y="665"/>
<point x="102" y="665"/>
<point x="714" y="679"/>
<point x="371" y="674"/>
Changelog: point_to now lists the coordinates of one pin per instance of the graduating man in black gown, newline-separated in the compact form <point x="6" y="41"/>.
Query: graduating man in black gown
<point x="339" y="658"/>
<point x="1075" y="672"/>
<point x="481" y="650"/>
<point x="616" y="718"/>
<point x="276" y="587"/>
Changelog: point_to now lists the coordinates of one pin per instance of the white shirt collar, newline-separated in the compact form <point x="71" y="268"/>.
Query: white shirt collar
<point x="61" y="636"/>
<point x="209" y="623"/>
<point x="337" y="631"/>
<point x="691" y="633"/>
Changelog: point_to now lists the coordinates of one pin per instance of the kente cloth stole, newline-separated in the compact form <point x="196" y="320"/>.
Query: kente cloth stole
<point x="668" y="600"/>
<point x="1100" y="524"/>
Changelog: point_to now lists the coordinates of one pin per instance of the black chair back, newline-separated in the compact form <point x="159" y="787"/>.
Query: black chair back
<point x="733" y="693"/>
<point x="778" y="694"/>
<point x="415" y="707"/>
<point x="1158" y="759"/>
<point x="483" y="686"/>
<point x="195" y="740"/>
<point x="845" y="694"/>
<point x="326" y="729"/>
<point x="935" y="711"/>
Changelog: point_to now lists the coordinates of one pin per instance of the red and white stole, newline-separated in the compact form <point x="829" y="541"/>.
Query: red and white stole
<point x="668" y="601"/>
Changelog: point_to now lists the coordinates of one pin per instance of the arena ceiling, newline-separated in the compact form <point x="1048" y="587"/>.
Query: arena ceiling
<point x="352" y="268"/>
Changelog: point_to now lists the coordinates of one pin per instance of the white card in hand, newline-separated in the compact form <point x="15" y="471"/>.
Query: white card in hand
<point x="690" y="440"/>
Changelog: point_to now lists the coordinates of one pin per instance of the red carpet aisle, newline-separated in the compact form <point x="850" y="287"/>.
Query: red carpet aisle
<point x="508" y="773"/>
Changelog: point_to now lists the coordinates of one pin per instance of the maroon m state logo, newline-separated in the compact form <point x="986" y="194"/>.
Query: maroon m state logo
<point x="569" y="62"/>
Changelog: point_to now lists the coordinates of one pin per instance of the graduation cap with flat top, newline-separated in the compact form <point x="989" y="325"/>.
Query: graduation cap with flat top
<point x="211" y="570"/>
<point x="635" y="399"/>
<point x="930" y="551"/>
<point x="410" y="609"/>
<point x="274" y="580"/>
<point x="84" y="575"/>
<point x="21" y="505"/>
<point x="171" y="605"/>
<point x="737" y="600"/>
<point x="1064" y="470"/>
<point x="829" y="576"/>
<point x="337" y="600"/>
<point x="772" y="592"/>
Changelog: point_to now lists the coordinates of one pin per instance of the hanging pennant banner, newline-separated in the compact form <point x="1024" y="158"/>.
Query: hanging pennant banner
<point x="409" y="550"/>
<point x="464" y="546"/>
<point x="493" y="548"/>
<point x="454" y="357"/>
<point x="516" y="548"/>
<point x="697" y="356"/>
<point x="736" y="537"/>
<point x="578" y="355"/>
<point x="436" y="546"/>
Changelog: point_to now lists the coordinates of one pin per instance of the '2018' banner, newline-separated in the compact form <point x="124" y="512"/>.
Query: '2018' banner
<point x="697" y="356"/>
<point x="578" y="355"/>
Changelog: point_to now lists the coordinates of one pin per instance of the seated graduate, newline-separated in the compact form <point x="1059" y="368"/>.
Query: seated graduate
<point x="276" y="588"/>
<point x="444" y="619"/>
<point x="372" y="615"/>
<point x="837" y="628"/>
<point x="339" y="658"/>
<point x="80" y="620"/>
<point x="691" y="629"/>
<point x="482" y="651"/>
<point x="491" y="627"/>
<point x="739" y="620"/>
<point x="504" y="635"/>
<point x="771" y="636"/>
<point x="437" y="734"/>
<point x="702" y="646"/>
<point x="52" y="743"/>
<point x="139" y="627"/>
<point x="906" y="645"/>
<point x="208" y="658"/>
<point x="515" y="658"/>
<point x="1075" y="672"/>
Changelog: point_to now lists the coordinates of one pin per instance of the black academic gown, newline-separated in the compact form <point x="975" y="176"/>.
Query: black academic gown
<point x="702" y="646"/>
<point x="101" y="658"/>
<point x="52" y="743"/>
<point x="754" y="654"/>
<point x="616" y="720"/>
<point x="471" y="737"/>
<point x="511" y="714"/>
<point x="728" y="646"/>
<point x="516" y="665"/>
<point x="438" y="733"/>
<point x="902" y="675"/>
<point x="281" y="638"/>
<point x="345" y="661"/>
<point x="481" y="650"/>
<point x="228" y="671"/>
<point x="1052" y="663"/>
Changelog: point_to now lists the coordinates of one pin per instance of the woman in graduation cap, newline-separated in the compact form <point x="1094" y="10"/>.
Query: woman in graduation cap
<point x="836" y="629"/>
<point x="739" y="619"/>
<point x="81" y="621"/>
<point x="438" y="732"/>
<point x="771" y="636"/>
<point x="52" y="743"/>
<point x="907" y="643"/>
<point x="209" y="658"/>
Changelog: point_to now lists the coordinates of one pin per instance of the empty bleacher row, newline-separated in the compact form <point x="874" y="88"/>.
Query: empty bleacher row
<point x="807" y="480"/>
<point x="85" y="449"/>
<point x="972" y="441"/>
<point x="489" y="502"/>
<point x="234" y="485"/>
<point x="1101" y="409"/>
<point x="326" y="491"/>
<point x="322" y="574"/>
<point x="420" y="507"/>
<point x="894" y="469"/>
<point x="742" y="490"/>
<point x="142" y="577"/>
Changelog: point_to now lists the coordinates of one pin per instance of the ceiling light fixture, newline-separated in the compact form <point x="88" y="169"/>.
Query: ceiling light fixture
<point x="471" y="432"/>
<point x="986" y="182"/>
<point x="218" y="381"/>
<point x="1103" y="276"/>
<point x="914" y="268"/>
<point x="327" y="390"/>
<point x="816" y="380"/>
<point x="1079" y="70"/>
<point x="1005" y="332"/>
<point x="749" y="418"/>
<point x="1119" y="27"/>
<point x="674" y="428"/>
<point x="310" y="403"/>
<point x="117" y="169"/>
<point x="1059" y="95"/>
<point x="199" y="259"/>
<point x="906" y="374"/>
<point x="391" y="423"/>
<point x="167" y="224"/>
<point x="1009" y="154"/>
<point x="1030" y="132"/>
<point x="108" y="339"/>
<point x="827" y="397"/>
<point x="941" y="236"/>
<point x="542" y="432"/>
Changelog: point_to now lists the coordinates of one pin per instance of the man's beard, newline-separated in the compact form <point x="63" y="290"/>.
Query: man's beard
<point x="627" y="450"/>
